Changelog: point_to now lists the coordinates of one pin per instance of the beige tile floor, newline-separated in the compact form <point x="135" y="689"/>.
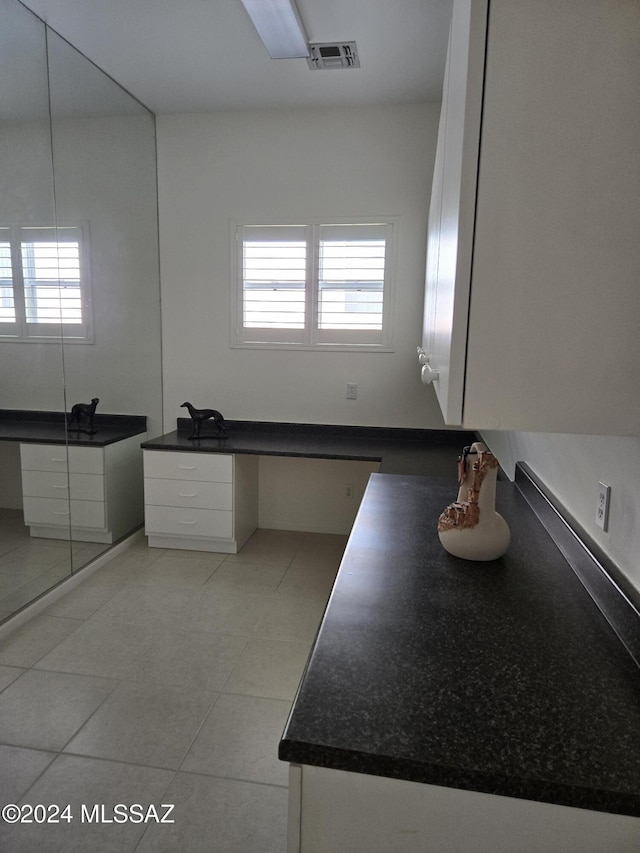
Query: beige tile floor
<point x="165" y="677"/>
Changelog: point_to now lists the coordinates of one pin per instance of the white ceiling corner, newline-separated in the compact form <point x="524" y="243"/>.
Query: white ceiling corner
<point x="179" y="56"/>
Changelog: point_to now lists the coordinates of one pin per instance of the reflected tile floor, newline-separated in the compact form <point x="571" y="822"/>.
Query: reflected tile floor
<point x="165" y="677"/>
<point x="30" y="566"/>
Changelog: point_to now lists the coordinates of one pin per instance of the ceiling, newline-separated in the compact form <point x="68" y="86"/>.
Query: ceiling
<point x="179" y="56"/>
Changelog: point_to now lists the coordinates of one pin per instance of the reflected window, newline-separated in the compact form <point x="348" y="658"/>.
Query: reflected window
<point x="43" y="283"/>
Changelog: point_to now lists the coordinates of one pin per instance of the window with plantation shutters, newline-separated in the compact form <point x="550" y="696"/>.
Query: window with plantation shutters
<point x="43" y="284"/>
<point x="313" y="286"/>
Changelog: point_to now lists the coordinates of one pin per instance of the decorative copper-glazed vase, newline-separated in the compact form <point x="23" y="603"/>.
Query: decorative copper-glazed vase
<point x="470" y="527"/>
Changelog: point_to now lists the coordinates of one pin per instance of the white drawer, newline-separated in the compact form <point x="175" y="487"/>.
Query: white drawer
<point x="188" y="493"/>
<point x="210" y="467"/>
<point x="196" y="523"/>
<point x="86" y="460"/>
<point x="57" y="512"/>
<point x="50" y="484"/>
<point x="53" y="457"/>
<point x="43" y="457"/>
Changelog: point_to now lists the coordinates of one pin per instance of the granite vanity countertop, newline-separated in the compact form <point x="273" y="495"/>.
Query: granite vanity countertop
<point x="501" y="677"/>
<point x="36" y="427"/>
<point x="400" y="451"/>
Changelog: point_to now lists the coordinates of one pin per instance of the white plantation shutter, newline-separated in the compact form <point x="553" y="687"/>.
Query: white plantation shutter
<point x="43" y="282"/>
<point x="7" y="297"/>
<point x="351" y="282"/>
<point x="274" y="275"/>
<point x="51" y="275"/>
<point x="314" y="285"/>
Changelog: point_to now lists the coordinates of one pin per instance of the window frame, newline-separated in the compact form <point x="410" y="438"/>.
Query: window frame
<point x="312" y="337"/>
<point x="21" y="331"/>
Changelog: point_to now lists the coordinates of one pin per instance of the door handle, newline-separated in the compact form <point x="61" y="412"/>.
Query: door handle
<point x="427" y="373"/>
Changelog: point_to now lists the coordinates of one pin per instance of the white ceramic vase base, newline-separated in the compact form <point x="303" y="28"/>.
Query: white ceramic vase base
<point x="471" y="528"/>
<point x="483" y="542"/>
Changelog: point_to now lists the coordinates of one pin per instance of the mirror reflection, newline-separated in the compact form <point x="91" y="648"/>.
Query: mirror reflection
<point x="29" y="371"/>
<point x="79" y="307"/>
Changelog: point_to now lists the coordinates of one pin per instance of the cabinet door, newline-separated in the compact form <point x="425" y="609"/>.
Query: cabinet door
<point x="555" y="304"/>
<point x="451" y="216"/>
<point x="532" y="298"/>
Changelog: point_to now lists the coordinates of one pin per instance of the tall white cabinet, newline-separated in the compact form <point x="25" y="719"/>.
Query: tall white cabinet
<point x="533" y="268"/>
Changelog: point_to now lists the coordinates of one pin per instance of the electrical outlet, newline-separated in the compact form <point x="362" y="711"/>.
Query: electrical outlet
<point x="602" y="508"/>
<point x="348" y="490"/>
<point x="352" y="391"/>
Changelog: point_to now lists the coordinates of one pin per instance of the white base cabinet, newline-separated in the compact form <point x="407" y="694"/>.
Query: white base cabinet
<point x="200" y="501"/>
<point x="331" y="810"/>
<point x="88" y="494"/>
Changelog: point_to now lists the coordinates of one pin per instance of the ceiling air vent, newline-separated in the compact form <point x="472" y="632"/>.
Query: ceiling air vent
<point x="343" y="54"/>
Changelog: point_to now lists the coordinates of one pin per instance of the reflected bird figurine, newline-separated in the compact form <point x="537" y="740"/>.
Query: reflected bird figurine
<point x="80" y="410"/>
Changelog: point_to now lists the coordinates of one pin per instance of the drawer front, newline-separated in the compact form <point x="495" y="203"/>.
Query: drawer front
<point x="208" y="467"/>
<point x="197" y="523"/>
<point x="56" y="512"/>
<point x="188" y="493"/>
<point x="86" y="460"/>
<point x="53" y="457"/>
<point x="43" y="457"/>
<point x="50" y="484"/>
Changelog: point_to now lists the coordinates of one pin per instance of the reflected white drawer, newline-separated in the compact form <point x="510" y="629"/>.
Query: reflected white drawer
<point x="188" y="493"/>
<point x="53" y="457"/>
<point x="58" y="512"/>
<point x="198" y="523"/>
<point x="49" y="484"/>
<point x="211" y="467"/>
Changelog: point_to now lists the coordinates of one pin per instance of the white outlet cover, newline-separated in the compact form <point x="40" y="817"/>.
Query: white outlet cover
<point x="602" y="507"/>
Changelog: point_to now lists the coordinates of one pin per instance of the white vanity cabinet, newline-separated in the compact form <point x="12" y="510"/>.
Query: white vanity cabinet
<point x="331" y="810"/>
<point x="89" y="494"/>
<point x="532" y="297"/>
<point x="200" y="501"/>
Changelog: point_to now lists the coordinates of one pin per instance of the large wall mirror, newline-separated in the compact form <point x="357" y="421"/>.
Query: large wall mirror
<point x="77" y="170"/>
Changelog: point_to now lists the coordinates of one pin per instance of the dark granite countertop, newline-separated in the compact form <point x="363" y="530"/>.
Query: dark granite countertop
<point x="410" y="451"/>
<point x="501" y="677"/>
<point x="35" y="427"/>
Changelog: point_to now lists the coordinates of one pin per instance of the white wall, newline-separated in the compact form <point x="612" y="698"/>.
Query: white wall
<point x="31" y="375"/>
<point x="571" y="467"/>
<point x="310" y="494"/>
<point x="105" y="176"/>
<point x="106" y="180"/>
<point x="284" y="167"/>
